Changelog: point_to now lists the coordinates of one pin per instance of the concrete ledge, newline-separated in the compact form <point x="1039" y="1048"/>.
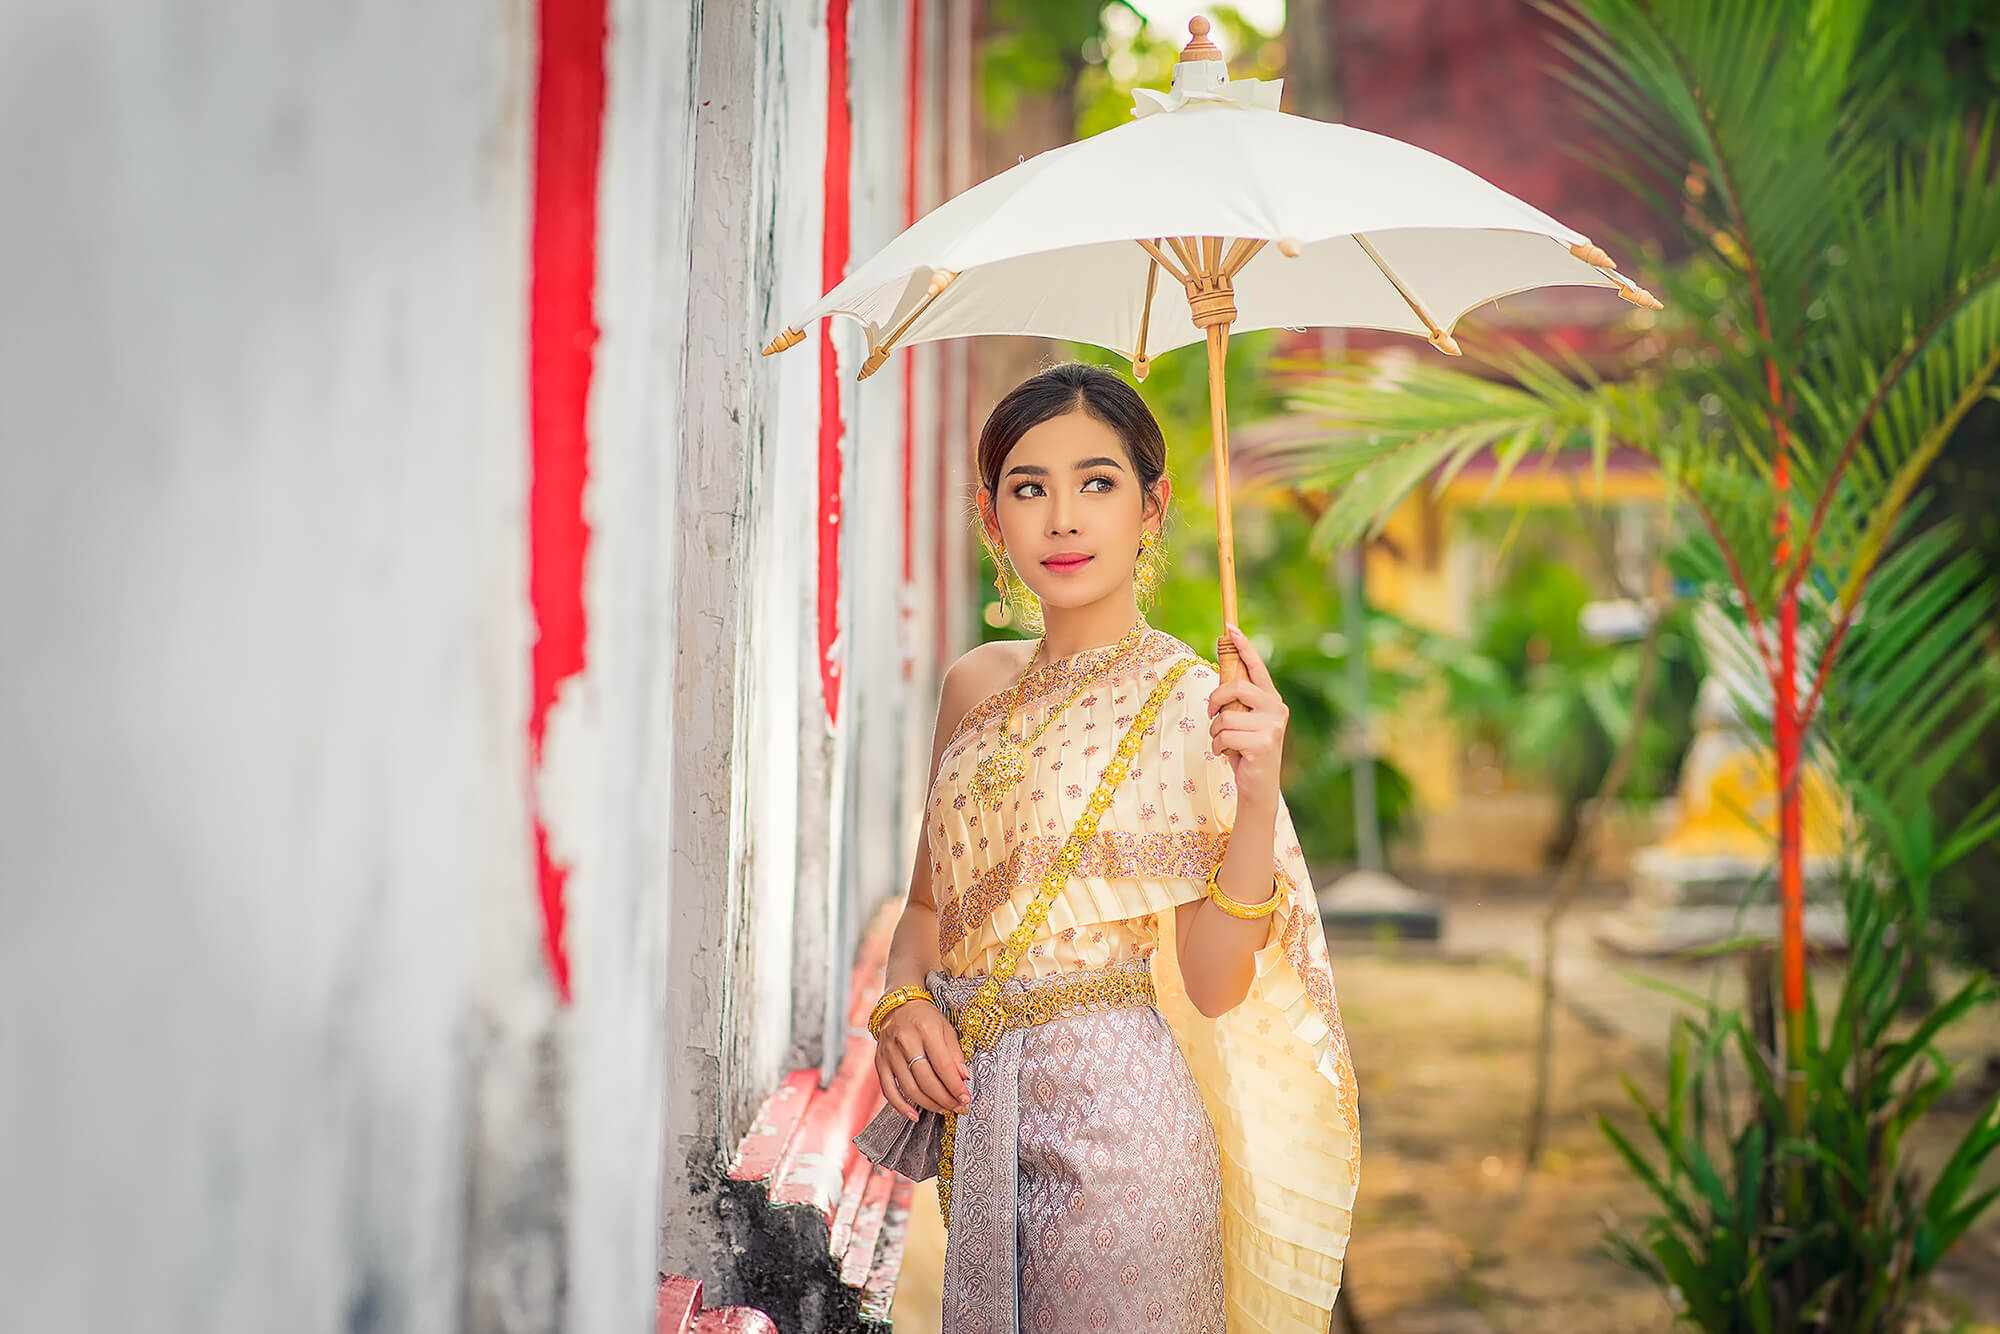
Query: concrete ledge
<point x="818" y="1227"/>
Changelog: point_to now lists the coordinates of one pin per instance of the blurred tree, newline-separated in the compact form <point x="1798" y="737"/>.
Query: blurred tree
<point x="1839" y="319"/>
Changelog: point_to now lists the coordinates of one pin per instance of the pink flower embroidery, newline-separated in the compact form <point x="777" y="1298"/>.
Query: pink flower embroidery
<point x="1036" y="795"/>
<point x="1185" y="724"/>
<point x="1072" y="791"/>
<point x="1187" y="786"/>
<point x="1147" y="812"/>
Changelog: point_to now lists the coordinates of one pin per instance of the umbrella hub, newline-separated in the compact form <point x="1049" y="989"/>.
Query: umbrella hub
<point x="1211" y="299"/>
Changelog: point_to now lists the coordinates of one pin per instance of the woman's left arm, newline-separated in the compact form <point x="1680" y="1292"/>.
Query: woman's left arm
<point x="1215" y="949"/>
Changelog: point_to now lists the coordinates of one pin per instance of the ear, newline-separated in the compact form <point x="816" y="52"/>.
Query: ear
<point x="1156" y="504"/>
<point x="988" y="520"/>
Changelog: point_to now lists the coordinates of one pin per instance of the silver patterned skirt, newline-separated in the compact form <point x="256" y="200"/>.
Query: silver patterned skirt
<point x="1085" y="1191"/>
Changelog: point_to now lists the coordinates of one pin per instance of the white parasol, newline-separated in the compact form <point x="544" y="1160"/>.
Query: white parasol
<point x="1264" y="220"/>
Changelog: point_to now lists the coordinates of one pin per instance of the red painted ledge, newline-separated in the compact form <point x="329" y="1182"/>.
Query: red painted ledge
<point x="681" y="1313"/>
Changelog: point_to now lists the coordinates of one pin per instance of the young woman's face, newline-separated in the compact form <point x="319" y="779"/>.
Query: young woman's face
<point x="1071" y="510"/>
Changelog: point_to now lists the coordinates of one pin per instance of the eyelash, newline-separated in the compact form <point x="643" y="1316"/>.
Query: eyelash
<point x="1111" y="484"/>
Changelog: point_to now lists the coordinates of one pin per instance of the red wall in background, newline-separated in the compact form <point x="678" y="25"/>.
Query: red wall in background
<point x="1476" y="81"/>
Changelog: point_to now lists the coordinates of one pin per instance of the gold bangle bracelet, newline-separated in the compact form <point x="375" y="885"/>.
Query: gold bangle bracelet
<point x="892" y="1001"/>
<point x="1249" y="912"/>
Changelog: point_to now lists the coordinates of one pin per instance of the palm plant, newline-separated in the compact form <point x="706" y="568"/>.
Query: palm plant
<point x="1836" y="318"/>
<point x="1873" y="1228"/>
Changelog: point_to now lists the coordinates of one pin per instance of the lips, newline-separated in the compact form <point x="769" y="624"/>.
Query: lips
<point x="1066" y="562"/>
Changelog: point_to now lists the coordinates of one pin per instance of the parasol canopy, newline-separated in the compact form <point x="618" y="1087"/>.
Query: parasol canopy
<point x="1263" y="219"/>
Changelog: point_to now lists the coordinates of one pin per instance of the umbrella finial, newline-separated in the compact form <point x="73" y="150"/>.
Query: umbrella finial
<point x="1199" y="47"/>
<point x="789" y="338"/>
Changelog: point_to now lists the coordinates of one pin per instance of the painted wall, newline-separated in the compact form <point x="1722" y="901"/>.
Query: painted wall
<point x="791" y="809"/>
<point x="271" y="963"/>
<point x="286" y="1048"/>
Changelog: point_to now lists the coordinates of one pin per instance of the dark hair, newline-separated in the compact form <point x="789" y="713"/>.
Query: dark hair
<point x="1059" y="391"/>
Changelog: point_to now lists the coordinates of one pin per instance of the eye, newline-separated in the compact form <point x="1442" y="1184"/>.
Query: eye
<point x="1027" y="490"/>
<point x="1100" y="483"/>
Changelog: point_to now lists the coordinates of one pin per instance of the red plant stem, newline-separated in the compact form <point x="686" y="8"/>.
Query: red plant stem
<point x="1789" y="737"/>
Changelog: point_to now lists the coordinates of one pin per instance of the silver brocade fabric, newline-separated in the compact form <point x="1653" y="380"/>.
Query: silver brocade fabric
<point x="1086" y="1190"/>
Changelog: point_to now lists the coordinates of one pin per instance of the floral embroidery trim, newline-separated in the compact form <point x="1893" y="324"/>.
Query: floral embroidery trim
<point x="1109" y="855"/>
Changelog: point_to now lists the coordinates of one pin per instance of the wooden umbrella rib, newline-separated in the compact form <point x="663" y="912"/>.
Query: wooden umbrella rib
<point x="1211" y="256"/>
<point x="1444" y="342"/>
<point x="943" y="279"/>
<point x="1160" y="257"/>
<point x="1190" y="257"/>
<point x="1241" y="253"/>
<point x="1140" y="362"/>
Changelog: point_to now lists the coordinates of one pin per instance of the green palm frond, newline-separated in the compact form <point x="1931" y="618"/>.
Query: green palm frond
<point x="1917" y="683"/>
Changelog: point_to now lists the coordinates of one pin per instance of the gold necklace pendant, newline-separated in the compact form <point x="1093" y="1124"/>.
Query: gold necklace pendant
<point x="999" y="773"/>
<point x="996" y="777"/>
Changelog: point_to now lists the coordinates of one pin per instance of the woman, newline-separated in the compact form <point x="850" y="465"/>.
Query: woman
<point x="1109" y="1025"/>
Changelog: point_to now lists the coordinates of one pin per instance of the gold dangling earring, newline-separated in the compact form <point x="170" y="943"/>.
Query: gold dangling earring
<point x="1146" y="570"/>
<point x="999" y="550"/>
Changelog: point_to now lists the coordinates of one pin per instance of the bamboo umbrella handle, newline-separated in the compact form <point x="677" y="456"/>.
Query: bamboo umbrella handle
<point x="1228" y="661"/>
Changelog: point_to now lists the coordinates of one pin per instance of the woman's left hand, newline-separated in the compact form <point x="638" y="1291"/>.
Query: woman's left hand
<point x="1252" y="736"/>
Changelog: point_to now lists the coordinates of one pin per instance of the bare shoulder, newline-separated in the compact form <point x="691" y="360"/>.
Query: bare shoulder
<point x="979" y="672"/>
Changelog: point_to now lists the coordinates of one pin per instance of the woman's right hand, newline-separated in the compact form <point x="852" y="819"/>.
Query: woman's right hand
<point x="918" y="1062"/>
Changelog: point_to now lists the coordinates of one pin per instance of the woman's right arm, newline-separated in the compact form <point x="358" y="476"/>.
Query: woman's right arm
<point x="942" y="1082"/>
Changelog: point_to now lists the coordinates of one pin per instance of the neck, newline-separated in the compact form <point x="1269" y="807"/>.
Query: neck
<point x="1068" y="630"/>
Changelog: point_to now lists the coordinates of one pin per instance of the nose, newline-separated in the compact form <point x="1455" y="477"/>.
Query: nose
<point x="1061" y="522"/>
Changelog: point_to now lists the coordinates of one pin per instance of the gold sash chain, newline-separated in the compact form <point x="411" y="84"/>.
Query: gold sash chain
<point x="983" y="1020"/>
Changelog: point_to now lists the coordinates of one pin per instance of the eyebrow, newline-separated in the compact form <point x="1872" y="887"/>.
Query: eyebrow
<point x="1031" y="470"/>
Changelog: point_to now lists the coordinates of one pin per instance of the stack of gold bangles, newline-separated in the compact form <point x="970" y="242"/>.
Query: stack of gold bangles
<point x="1249" y="912"/>
<point x="890" y="1001"/>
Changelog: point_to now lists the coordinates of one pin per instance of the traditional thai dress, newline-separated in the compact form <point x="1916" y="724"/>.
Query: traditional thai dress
<point x="1127" y="1164"/>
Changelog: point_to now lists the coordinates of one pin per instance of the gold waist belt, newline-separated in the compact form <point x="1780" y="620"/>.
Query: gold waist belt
<point x="1066" y="995"/>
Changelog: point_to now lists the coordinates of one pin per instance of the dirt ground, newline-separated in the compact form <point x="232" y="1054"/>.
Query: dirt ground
<point x="1448" y="1236"/>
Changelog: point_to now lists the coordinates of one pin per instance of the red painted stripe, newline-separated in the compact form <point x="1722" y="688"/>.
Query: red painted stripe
<point x="833" y="267"/>
<point x="562" y="332"/>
